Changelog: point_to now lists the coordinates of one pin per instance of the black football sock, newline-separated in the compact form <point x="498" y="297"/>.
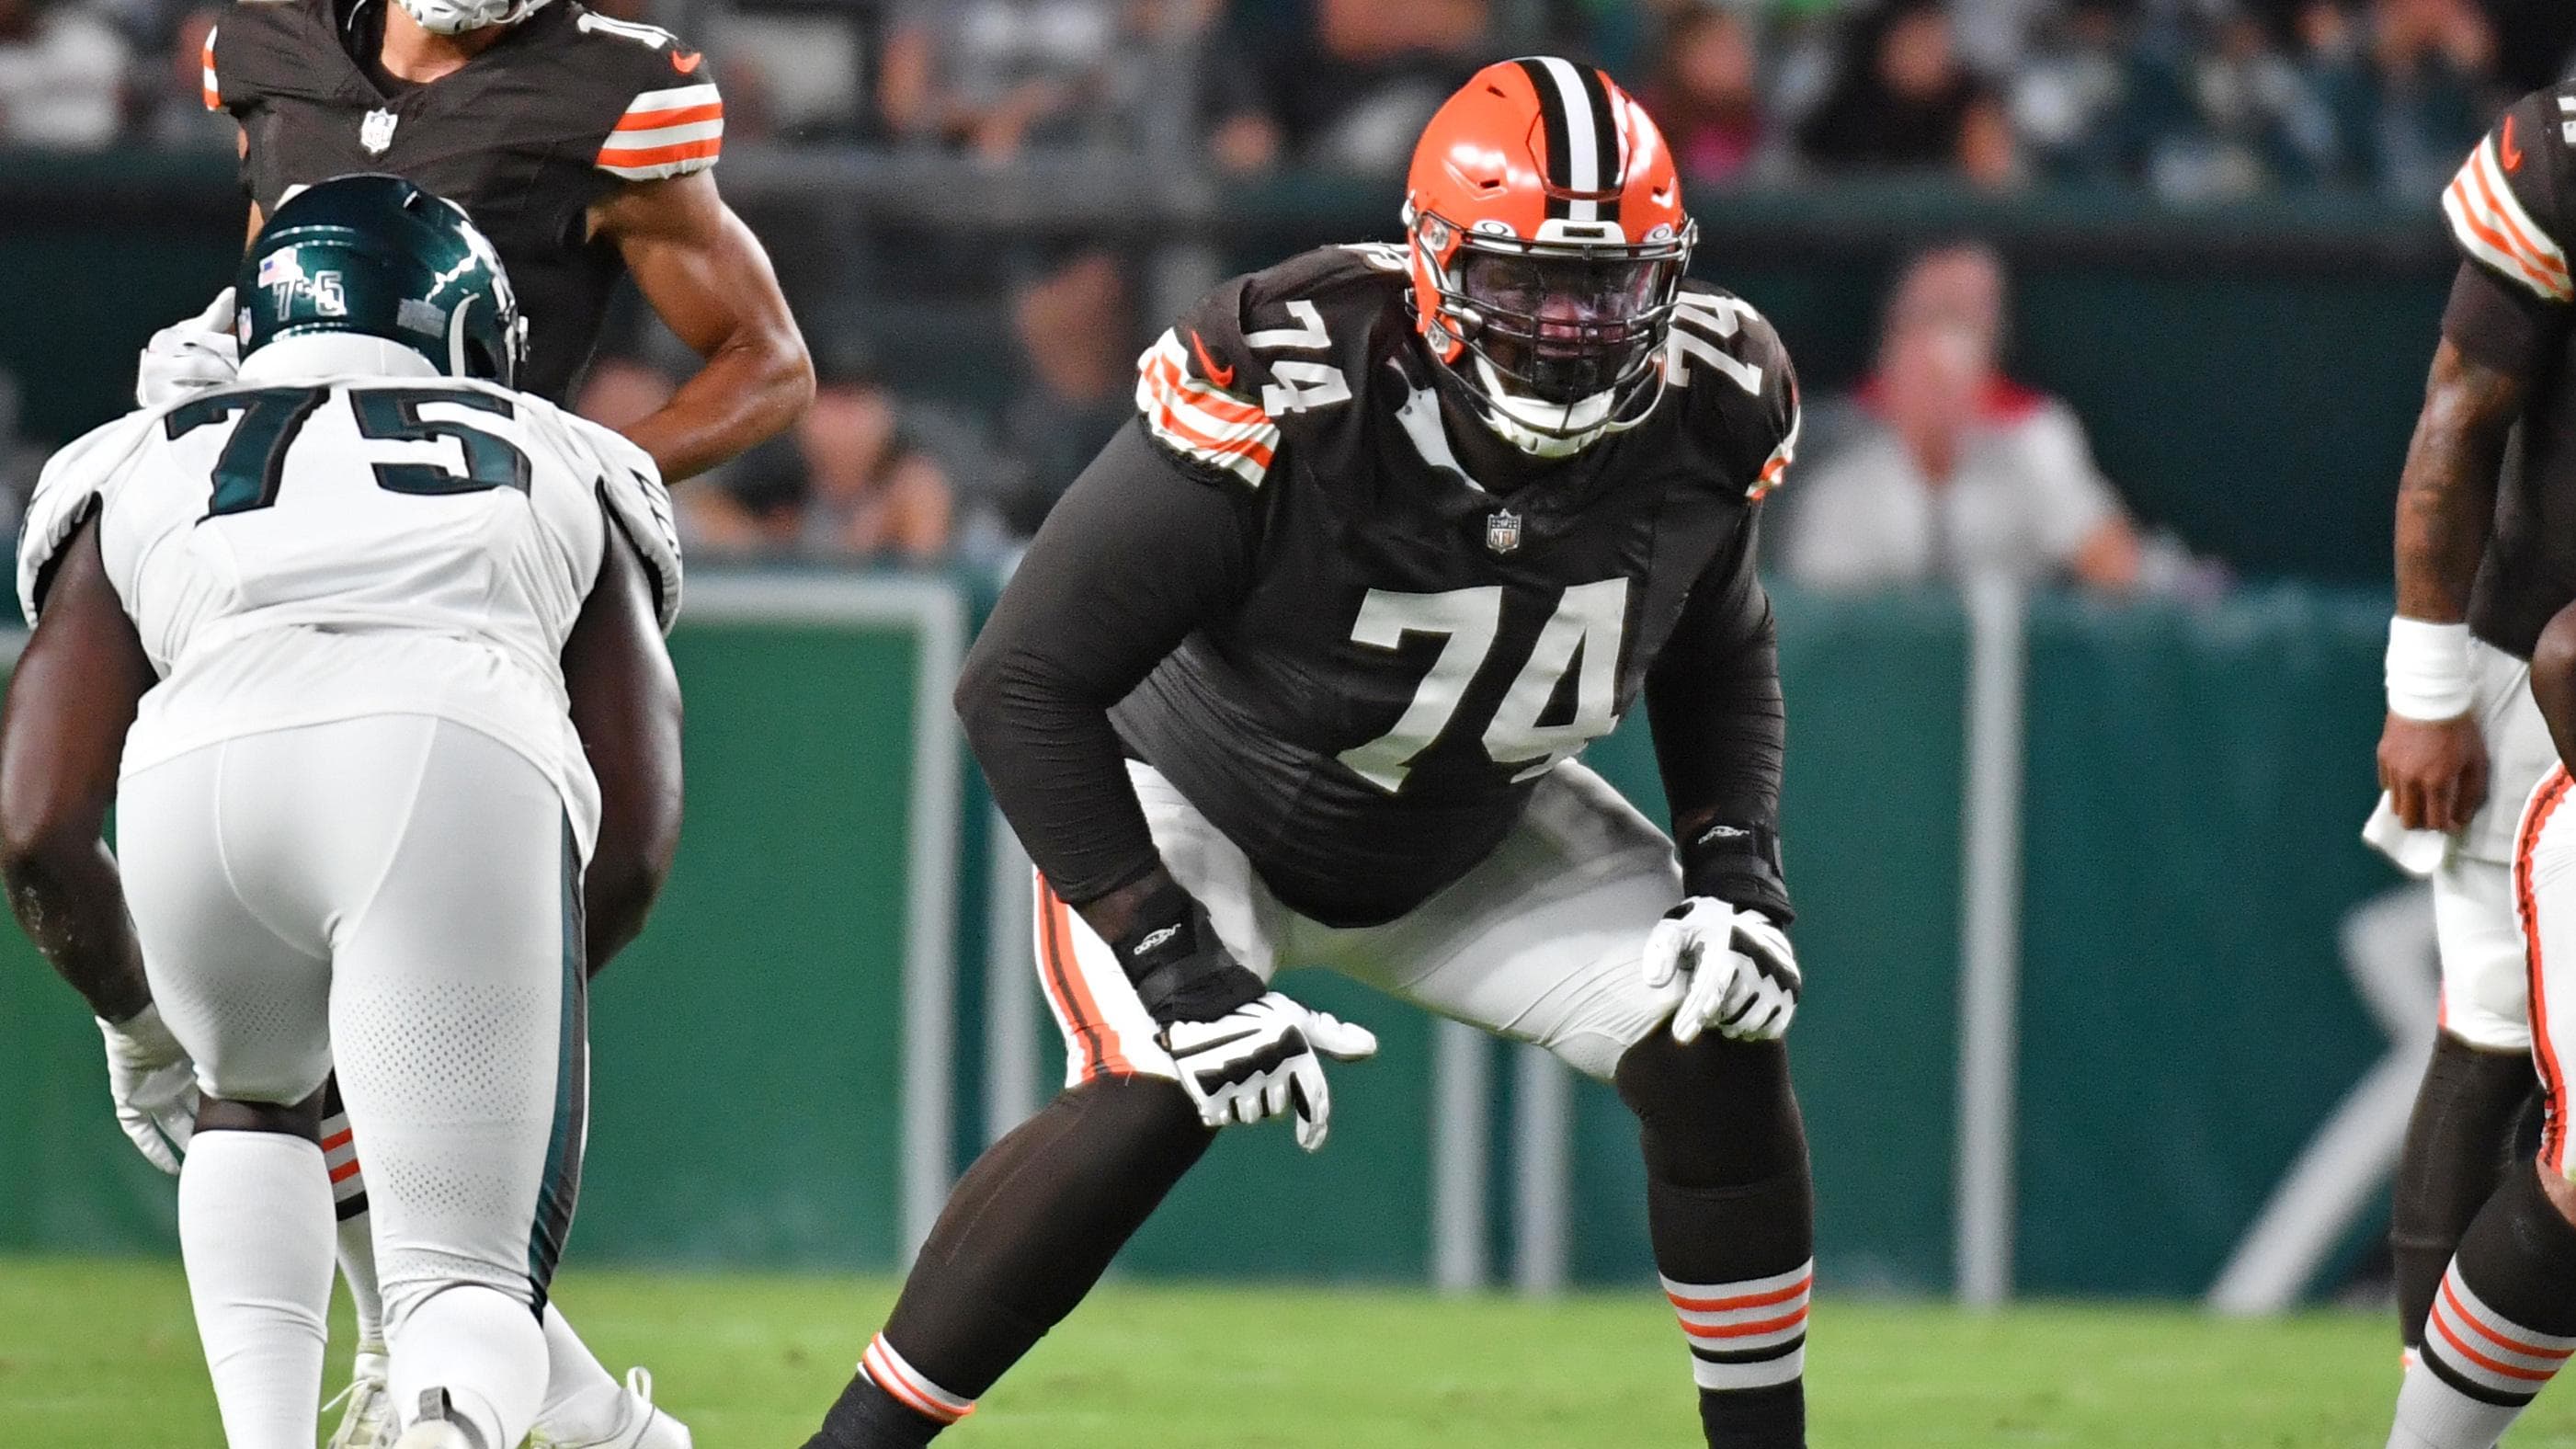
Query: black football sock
<point x="2503" y="1322"/>
<point x="1028" y="1231"/>
<point x="1731" y="1214"/>
<point x="2458" y="1144"/>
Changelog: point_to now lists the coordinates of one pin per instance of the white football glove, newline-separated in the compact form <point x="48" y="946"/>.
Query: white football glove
<point x="154" y="1084"/>
<point x="1261" y="1060"/>
<point x="189" y="357"/>
<point x="1743" y="977"/>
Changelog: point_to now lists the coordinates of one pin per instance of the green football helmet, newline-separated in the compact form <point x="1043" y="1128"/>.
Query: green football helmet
<point x="379" y="257"/>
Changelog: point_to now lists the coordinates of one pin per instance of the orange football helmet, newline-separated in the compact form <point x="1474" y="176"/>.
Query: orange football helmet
<point x="1547" y="237"/>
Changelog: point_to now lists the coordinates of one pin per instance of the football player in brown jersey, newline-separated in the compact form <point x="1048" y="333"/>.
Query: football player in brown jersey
<point x="584" y="146"/>
<point x="1295" y="675"/>
<point x="2481" y="674"/>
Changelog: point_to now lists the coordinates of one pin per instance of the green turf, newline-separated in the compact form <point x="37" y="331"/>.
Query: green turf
<point x="102" y="1353"/>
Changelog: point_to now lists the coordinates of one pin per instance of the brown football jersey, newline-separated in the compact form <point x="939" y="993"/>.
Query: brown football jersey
<point x="559" y="113"/>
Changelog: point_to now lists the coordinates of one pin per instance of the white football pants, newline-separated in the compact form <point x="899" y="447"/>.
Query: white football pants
<point x="1541" y="942"/>
<point x="399" y="896"/>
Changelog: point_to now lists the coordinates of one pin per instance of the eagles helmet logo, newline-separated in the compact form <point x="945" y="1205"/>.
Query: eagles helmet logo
<point x="1503" y="531"/>
<point x="376" y="132"/>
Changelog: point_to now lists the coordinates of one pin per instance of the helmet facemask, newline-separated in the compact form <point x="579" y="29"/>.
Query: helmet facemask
<point x="456" y="17"/>
<point x="1559" y="342"/>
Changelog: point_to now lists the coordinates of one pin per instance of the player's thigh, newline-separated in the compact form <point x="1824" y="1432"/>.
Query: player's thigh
<point x="458" y="1016"/>
<point x="1107" y="1031"/>
<point x="232" y="943"/>
<point x="2544" y="882"/>
<point x="2520" y="752"/>
<point x="1543" y="941"/>
<point x="2486" y="993"/>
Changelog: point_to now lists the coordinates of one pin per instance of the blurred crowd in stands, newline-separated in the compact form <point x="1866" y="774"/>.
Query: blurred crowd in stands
<point x="2193" y="98"/>
<point x="2191" y="101"/>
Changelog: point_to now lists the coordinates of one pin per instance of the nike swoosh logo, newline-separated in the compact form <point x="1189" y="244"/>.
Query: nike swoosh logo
<point x="686" y="64"/>
<point x="2512" y="154"/>
<point x="1221" y="376"/>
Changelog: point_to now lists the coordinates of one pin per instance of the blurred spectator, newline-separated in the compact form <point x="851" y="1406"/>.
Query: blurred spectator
<point x="850" y="483"/>
<point x="998" y="75"/>
<point x="1950" y="470"/>
<point x="2410" y="92"/>
<point x="62" y="75"/>
<point x="1346" y="86"/>
<point x="1904" y="101"/>
<point x="2071" y="95"/>
<point x="1077" y="330"/>
<point x="174" y="113"/>
<point x="2232" y="115"/>
<point x="1705" y="94"/>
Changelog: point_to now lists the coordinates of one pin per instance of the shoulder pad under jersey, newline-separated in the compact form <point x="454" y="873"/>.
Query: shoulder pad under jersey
<point x="630" y="490"/>
<point x="265" y="48"/>
<point x="1731" y="376"/>
<point x="652" y="107"/>
<point x="74" y="483"/>
<point x="2509" y="207"/>
<point x="1267" y="352"/>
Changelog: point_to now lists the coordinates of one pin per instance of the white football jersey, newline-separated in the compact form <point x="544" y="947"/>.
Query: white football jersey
<point x="316" y="549"/>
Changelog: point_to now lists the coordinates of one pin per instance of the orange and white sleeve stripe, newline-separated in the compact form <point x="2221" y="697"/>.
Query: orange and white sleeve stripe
<point x="1746" y="1335"/>
<point x="1199" y="420"/>
<point x="666" y="133"/>
<point x="2491" y="226"/>
<point x="908" y="1387"/>
<point x="214" y="90"/>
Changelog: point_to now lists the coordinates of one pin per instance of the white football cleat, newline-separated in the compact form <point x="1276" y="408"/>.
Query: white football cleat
<point x="368" y="1422"/>
<point x="640" y="1425"/>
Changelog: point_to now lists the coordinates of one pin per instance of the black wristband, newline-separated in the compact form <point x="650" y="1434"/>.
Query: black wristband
<point x="1737" y="864"/>
<point x="1180" y="970"/>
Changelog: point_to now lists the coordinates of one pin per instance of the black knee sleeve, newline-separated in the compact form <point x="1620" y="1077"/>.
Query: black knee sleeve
<point x="1035" y="1222"/>
<point x="2460" y="1141"/>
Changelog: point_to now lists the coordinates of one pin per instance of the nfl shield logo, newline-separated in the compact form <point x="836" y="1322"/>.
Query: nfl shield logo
<point x="1503" y="531"/>
<point x="376" y="132"/>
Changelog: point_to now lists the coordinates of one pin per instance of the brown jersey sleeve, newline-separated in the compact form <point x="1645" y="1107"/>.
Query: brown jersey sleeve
<point x="2509" y="205"/>
<point x="1137" y="554"/>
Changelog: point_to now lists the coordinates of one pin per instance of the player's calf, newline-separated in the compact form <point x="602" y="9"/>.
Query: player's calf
<point x="2458" y="1148"/>
<point x="1029" y="1230"/>
<point x="1730" y="1212"/>
<point x="2502" y="1323"/>
<point x="255" y="1234"/>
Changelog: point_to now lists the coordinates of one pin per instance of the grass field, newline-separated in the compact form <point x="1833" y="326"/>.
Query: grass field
<point x="103" y="1353"/>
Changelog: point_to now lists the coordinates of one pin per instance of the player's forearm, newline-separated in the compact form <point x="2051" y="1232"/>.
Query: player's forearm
<point x="68" y="899"/>
<point x="752" y="388"/>
<point x="2446" y="498"/>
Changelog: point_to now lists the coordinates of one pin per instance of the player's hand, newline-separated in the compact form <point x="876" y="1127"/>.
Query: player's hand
<point x="1263" y="1059"/>
<point x="1743" y="977"/>
<point x="189" y="357"/>
<point x="2435" y="771"/>
<point x="154" y="1084"/>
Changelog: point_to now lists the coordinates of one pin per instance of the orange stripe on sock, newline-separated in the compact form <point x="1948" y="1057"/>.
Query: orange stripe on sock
<point x="2441" y="1326"/>
<point x="2461" y="1311"/>
<point x="1746" y="1330"/>
<point x="1749" y="1300"/>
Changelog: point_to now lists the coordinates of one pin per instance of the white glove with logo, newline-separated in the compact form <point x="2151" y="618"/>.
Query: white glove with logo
<point x="154" y="1084"/>
<point x="1743" y="977"/>
<point x="1261" y="1060"/>
<point x="189" y="357"/>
